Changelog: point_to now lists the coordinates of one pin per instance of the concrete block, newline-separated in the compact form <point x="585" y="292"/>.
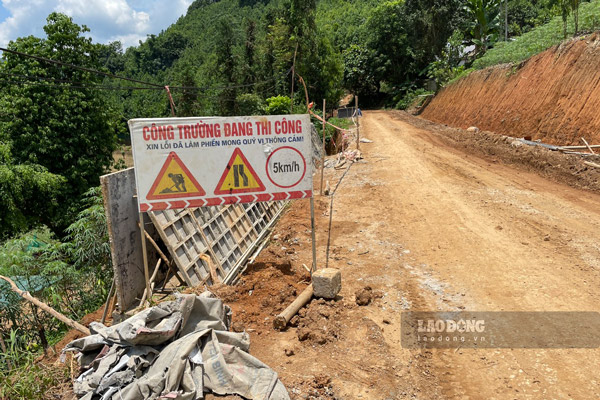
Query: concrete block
<point x="327" y="283"/>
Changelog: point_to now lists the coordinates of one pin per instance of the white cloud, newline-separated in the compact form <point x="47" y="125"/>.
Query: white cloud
<point x="108" y="20"/>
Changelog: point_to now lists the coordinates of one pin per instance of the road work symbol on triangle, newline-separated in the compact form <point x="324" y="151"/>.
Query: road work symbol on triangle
<point x="174" y="181"/>
<point x="239" y="176"/>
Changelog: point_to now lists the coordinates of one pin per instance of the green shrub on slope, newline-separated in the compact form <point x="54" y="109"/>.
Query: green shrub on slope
<point x="540" y="38"/>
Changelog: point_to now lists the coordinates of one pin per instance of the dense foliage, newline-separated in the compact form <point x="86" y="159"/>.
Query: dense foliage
<point x="51" y="127"/>
<point x="27" y="193"/>
<point x="57" y="136"/>
<point x="541" y="38"/>
<point x="70" y="275"/>
<point x="241" y="51"/>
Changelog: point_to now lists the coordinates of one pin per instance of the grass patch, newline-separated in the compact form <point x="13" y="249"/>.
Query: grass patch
<point x="540" y="38"/>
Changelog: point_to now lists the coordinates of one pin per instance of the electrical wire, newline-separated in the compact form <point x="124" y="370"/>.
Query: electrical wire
<point x="113" y="76"/>
<point x="93" y="71"/>
<point x="72" y="86"/>
<point x="38" y="81"/>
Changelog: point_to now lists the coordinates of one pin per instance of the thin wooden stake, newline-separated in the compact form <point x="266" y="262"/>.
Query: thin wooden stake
<point x="164" y="257"/>
<point x="68" y="321"/>
<point x="108" y="299"/>
<point x="312" y="232"/>
<point x="152" y="279"/>
<point x="145" y="257"/>
<point x="293" y="75"/>
<point x="591" y="164"/>
<point x="357" y="123"/>
<point x="211" y="268"/>
<point x="323" y="155"/>
<point x="588" y="146"/>
<point x="156" y="247"/>
<point x="113" y="304"/>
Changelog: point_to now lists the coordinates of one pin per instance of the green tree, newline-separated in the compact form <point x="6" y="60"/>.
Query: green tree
<point x="524" y="15"/>
<point x="447" y="66"/>
<point x="249" y="65"/>
<point x="575" y="10"/>
<point x="316" y="60"/>
<point x="392" y="55"/>
<point x="358" y="74"/>
<point x="187" y="99"/>
<point x="279" y="53"/>
<point x="250" y="104"/>
<point x="61" y="125"/>
<point x="565" y="10"/>
<point x="278" y="105"/>
<point x="111" y="56"/>
<point x="429" y="25"/>
<point x="28" y="194"/>
<point x="484" y="22"/>
<point x="227" y="65"/>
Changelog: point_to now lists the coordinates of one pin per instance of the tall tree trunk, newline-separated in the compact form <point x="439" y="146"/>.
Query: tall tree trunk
<point x="576" y="15"/>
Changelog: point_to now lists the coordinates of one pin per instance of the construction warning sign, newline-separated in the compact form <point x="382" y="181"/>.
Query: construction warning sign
<point x="174" y="180"/>
<point x="197" y="162"/>
<point x="239" y="176"/>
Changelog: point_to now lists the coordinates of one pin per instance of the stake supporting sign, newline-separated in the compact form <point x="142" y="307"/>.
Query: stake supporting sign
<point x="196" y="162"/>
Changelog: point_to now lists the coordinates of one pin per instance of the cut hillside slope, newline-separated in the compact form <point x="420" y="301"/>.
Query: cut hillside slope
<point x="554" y="96"/>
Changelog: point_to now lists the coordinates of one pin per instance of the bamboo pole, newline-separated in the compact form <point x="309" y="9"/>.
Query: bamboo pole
<point x="145" y="258"/>
<point x="591" y="164"/>
<point x="593" y="146"/>
<point x="68" y="321"/>
<point x="323" y="155"/>
<point x="152" y="279"/>
<point x="588" y="146"/>
<point x="155" y="245"/>
<point x="293" y="75"/>
<point x="357" y="123"/>
<point x="164" y="257"/>
<point x="108" y="300"/>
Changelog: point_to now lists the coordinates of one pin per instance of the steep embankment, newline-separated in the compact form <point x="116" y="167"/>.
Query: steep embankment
<point x="554" y="96"/>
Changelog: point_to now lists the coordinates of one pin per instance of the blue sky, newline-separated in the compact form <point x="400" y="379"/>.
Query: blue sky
<point x="125" y="20"/>
<point x="3" y="13"/>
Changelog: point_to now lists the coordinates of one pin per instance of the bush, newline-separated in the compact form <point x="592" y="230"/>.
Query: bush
<point x="250" y="104"/>
<point x="409" y="97"/>
<point x="540" y="38"/>
<point x="72" y="276"/>
<point x="26" y="379"/>
<point x="278" y="105"/>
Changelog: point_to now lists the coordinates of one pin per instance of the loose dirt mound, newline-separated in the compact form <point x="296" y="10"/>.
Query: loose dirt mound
<point x="267" y="287"/>
<point x="553" y="96"/>
<point x="319" y="322"/>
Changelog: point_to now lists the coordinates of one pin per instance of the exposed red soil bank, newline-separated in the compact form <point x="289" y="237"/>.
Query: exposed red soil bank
<point x="554" y="96"/>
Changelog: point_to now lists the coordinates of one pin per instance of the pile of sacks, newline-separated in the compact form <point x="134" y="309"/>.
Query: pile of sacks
<point x="178" y="349"/>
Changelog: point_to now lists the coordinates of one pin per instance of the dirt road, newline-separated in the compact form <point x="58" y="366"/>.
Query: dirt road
<point x="431" y="228"/>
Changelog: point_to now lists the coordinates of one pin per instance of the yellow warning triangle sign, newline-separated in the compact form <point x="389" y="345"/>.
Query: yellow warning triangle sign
<point x="174" y="181"/>
<point x="239" y="176"/>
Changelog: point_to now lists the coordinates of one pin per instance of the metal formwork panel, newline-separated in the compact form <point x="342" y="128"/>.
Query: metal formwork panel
<point x="209" y="244"/>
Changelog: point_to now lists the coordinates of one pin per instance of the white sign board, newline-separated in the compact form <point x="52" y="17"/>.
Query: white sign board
<point x="197" y="162"/>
